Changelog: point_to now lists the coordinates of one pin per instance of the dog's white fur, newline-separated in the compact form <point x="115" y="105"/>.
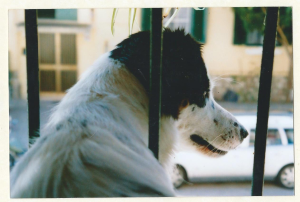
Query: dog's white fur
<point x="96" y="141"/>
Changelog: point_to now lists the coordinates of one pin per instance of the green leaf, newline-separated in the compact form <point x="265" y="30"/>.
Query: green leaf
<point x="171" y="18"/>
<point x="132" y="12"/>
<point x="115" y="11"/>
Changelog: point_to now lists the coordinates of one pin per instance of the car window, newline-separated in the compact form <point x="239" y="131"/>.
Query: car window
<point x="290" y="135"/>
<point x="273" y="137"/>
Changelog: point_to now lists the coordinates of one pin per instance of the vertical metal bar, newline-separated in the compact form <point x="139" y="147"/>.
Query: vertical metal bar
<point x="155" y="79"/>
<point x="32" y="74"/>
<point x="264" y="101"/>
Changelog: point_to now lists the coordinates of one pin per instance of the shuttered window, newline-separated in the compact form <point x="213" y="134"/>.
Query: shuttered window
<point x="199" y="24"/>
<point x="194" y="22"/>
<point x="58" y="14"/>
<point x="47" y="48"/>
<point x="47" y="78"/>
<point x="68" y="49"/>
<point x="58" y="62"/>
<point x="241" y="36"/>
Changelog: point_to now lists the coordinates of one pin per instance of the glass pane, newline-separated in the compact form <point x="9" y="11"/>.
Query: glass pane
<point x="254" y="38"/>
<point x="290" y="135"/>
<point x="68" y="48"/>
<point x="181" y="20"/>
<point x="273" y="137"/>
<point x="68" y="79"/>
<point x="47" y="48"/>
<point x="66" y="14"/>
<point x="47" y="80"/>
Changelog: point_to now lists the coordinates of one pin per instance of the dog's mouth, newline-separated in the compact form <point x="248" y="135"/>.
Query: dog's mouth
<point x="200" y="141"/>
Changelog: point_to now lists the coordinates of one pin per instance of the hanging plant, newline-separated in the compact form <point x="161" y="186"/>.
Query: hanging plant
<point x="132" y="14"/>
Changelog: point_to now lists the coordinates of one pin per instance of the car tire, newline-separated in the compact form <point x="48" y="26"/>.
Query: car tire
<point x="286" y="177"/>
<point x="179" y="176"/>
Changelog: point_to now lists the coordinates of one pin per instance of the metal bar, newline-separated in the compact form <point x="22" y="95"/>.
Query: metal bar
<point x="264" y="101"/>
<point x="32" y="64"/>
<point x="155" y="79"/>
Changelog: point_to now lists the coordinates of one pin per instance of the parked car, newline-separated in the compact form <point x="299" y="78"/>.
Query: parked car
<point x="238" y="163"/>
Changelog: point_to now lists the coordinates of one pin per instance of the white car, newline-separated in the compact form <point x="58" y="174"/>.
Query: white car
<point x="238" y="163"/>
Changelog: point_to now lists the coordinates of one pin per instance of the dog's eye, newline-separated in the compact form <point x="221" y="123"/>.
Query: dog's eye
<point x="206" y="94"/>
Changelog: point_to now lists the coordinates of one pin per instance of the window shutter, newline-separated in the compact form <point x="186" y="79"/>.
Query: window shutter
<point x="46" y="13"/>
<point x="47" y="48"/>
<point x="199" y="24"/>
<point x="240" y="33"/>
<point x="145" y="19"/>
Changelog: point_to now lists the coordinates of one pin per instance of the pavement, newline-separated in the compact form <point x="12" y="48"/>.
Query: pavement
<point x="231" y="189"/>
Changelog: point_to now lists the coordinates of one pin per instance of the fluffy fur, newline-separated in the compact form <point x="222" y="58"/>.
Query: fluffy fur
<point x="96" y="141"/>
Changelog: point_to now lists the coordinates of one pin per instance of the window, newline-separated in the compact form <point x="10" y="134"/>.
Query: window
<point x="194" y="22"/>
<point x="241" y="36"/>
<point x="273" y="137"/>
<point x="290" y="135"/>
<point x="46" y="13"/>
<point x="58" y="14"/>
<point x="47" y="48"/>
<point x="255" y="37"/>
<point x="181" y="20"/>
<point x="58" y="61"/>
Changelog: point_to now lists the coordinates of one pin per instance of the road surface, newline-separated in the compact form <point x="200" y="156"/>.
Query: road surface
<point x="230" y="189"/>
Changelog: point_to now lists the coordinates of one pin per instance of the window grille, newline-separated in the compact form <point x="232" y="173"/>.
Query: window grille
<point x="155" y="86"/>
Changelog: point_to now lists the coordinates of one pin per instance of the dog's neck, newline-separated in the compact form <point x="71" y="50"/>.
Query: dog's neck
<point x="108" y="76"/>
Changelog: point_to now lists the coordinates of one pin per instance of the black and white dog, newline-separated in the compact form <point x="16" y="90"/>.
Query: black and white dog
<point x="96" y="141"/>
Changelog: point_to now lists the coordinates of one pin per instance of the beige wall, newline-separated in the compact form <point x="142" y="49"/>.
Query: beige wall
<point x="16" y="44"/>
<point x="222" y="57"/>
<point x="100" y="38"/>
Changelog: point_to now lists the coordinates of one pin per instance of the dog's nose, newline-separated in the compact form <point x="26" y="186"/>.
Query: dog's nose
<point x="243" y="132"/>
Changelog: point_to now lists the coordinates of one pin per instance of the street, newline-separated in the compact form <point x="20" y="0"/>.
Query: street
<point x="231" y="189"/>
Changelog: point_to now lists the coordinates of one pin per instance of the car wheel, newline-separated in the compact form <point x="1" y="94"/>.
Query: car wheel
<point x="179" y="176"/>
<point x="286" y="177"/>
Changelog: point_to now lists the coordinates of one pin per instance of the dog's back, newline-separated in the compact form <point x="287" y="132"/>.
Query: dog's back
<point x="95" y="144"/>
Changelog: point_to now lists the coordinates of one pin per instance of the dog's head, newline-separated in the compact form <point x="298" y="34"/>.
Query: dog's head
<point x="186" y="91"/>
<point x="187" y="97"/>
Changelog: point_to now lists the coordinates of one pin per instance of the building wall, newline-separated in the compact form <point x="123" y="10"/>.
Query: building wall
<point x="17" y="59"/>
<point x="91" y="43"/>
<point x="223" y="58"/>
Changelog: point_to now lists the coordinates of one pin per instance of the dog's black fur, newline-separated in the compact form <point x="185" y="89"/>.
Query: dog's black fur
<point x="181" y="61"/>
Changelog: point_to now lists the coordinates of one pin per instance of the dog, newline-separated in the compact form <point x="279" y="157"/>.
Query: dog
<point x="96" y="141"/>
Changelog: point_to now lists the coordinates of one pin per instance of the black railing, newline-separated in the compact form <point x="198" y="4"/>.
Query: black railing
<point x="155" y="86"/>
<point x="32" y="63"/>
<point x="155" y="79"/>
<point x="263" y="104"/>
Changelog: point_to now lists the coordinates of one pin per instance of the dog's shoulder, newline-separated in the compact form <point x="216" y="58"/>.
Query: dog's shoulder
<point x="90" y="166"/>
